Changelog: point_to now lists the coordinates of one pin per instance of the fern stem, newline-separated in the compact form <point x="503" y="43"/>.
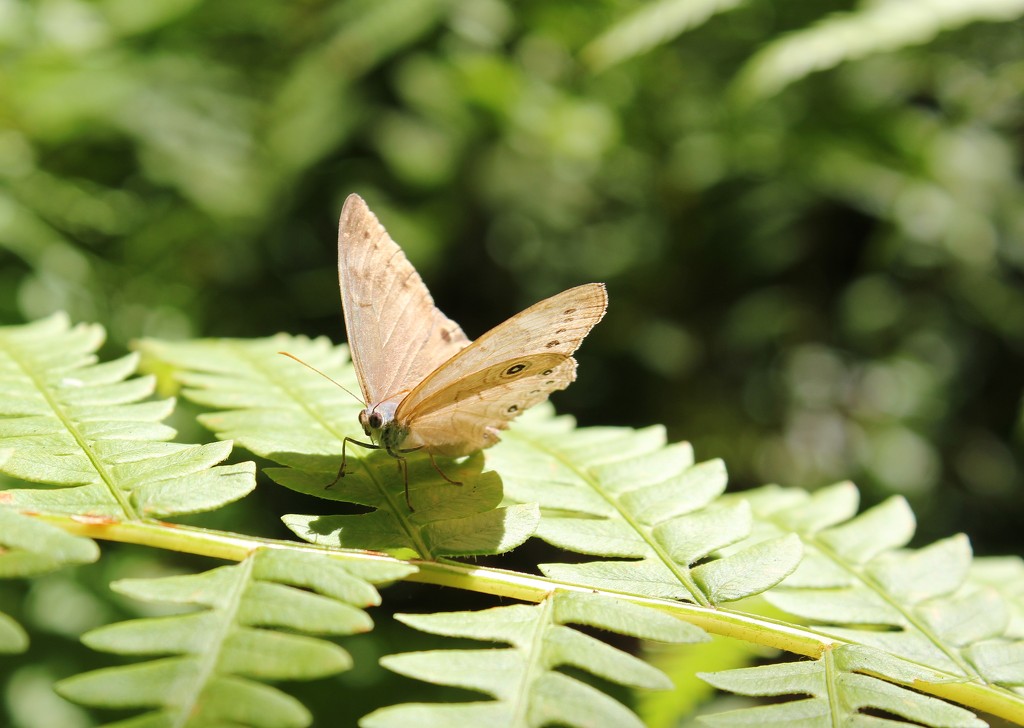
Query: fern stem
<point x="834" y="692"/>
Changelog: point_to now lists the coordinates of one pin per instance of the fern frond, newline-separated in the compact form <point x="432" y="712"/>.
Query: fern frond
<point x="523" y="679"/>
<point x="29" y="547"/>
<point x="281" y="411"/>
<point x="653" y="24"/>
<point x="858" y="582"/>
<point x="83" y="428"/>
<point x="878" y="28"/>
<point x="616" y="492"/>
<point x="245" y="632"/>
<point x="838" y="693"/>
<point x="608" y="491"/>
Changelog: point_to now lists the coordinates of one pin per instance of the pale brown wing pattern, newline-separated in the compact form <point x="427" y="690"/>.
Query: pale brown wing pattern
<point x="555" y="325"/>
<point x="460" y="425"/>
<point x="539" y="368"/>
<point x="396" y="334"/>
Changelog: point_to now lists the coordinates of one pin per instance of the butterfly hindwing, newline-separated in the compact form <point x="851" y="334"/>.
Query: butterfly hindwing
<point x="467" y="416"/>
<point x="396" y="335"/>
<point x="538" y="369"/>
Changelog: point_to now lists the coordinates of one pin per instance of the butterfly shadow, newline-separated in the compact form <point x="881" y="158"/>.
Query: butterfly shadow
<point x="448" y="519"/>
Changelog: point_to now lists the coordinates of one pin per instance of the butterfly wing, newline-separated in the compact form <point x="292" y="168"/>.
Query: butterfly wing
<point x="533" y="350"/>
<point x="396" y="334"/>
<point x="467" y="416"/>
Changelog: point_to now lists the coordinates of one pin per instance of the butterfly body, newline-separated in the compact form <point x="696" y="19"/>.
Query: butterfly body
<point x="425" y="384"/>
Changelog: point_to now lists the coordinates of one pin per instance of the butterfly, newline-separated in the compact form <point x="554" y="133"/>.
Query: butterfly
<point x="425" y="385"/>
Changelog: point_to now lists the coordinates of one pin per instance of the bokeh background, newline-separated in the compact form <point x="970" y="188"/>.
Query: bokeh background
<point x="810" y="215"/>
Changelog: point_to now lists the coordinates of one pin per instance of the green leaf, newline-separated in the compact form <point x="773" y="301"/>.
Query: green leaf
<point x="80" y="426"/>
<point x="522" y="678"/>
<point x="216" y="653"/>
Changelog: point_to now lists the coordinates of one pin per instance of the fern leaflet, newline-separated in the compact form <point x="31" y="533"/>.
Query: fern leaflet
<point x="838" y="693"/>
<point x="523" y="680"/>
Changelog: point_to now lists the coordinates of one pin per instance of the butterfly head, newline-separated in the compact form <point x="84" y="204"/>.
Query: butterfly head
<point x="380" y="426"/>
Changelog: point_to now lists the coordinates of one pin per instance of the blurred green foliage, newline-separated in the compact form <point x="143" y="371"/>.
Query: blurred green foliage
<point x="810" y="215"/>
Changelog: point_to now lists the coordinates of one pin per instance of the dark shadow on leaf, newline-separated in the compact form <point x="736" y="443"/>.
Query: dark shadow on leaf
<point x="446" y="519"/>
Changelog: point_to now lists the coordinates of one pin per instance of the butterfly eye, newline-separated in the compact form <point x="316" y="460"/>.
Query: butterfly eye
<point x="376" y="420"/>
<point x="546" y="372"/>
<point x="515" y="369"/>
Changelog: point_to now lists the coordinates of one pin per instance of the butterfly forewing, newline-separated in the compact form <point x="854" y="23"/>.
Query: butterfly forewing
<point x="554" y="326"/>
<point x="397" y="336"/>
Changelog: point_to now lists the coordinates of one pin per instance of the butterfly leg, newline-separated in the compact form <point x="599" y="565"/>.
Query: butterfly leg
<point x="403" y="468"/>
<point x="403" y="465"/>
<point x="344" y="457"/>
<point x="441" y="472"/>
<point x="432" y="462"/>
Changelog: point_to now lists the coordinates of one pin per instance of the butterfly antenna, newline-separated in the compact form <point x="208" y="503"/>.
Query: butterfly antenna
<point x="310" y="366"/>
